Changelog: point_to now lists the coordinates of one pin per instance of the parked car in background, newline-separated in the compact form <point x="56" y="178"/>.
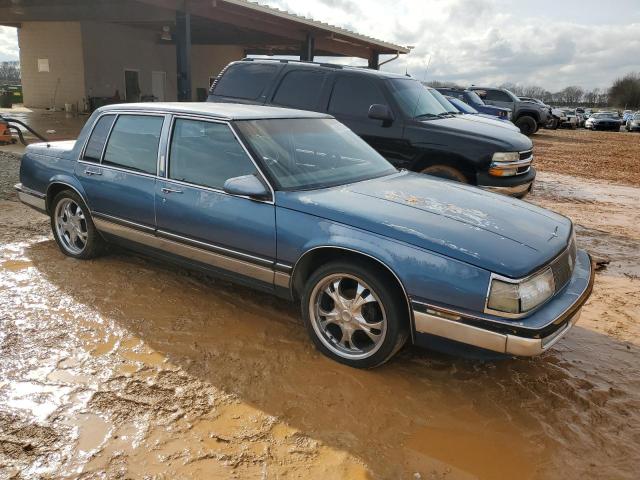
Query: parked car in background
<point x="633" y="123"/>
<point x="396" y="114"/>
<point x="527" y="116"/>
<point x="469" y="110"/>
<point x="570" y="119"/>
<point x="295" y="204"/>
<point x="472" y="99"/>
<point x="603" y="121"/>
<point x="626" y="115"/>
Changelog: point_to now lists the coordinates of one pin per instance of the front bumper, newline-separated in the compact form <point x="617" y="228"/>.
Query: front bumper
<point x="527" y="337"/>
<point x="515" y="186"/>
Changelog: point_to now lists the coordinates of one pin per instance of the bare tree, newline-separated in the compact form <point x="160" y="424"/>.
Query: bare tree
<point x="625" y="91"/>
<point x="9" y="72"/>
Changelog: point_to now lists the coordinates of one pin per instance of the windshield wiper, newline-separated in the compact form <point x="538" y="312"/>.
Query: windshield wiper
<point x="427" y="115"/>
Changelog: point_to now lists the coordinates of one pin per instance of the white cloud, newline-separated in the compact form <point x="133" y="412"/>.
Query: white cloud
<point x="494" y="41"/>
<point x="8" y="44"/>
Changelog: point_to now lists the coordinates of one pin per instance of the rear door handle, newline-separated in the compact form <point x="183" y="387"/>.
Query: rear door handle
<point x="90" y="171"/>
<point x="170" y="190"/>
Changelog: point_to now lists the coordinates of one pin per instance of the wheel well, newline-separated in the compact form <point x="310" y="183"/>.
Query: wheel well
<point x="54" y="189"/>
<point x="313" y="259"/>
<point x="534" y="115"/>
<point x="458" y="163"/>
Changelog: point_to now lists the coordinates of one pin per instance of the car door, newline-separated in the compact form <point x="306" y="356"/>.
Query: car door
<point x="230" y="233"/>
<point x="118" y="168"/>
<point x="350" y="99"/>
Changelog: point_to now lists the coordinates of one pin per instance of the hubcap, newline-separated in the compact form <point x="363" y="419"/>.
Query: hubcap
<point x="71" y="226"/>
<point x="347" y="316"/>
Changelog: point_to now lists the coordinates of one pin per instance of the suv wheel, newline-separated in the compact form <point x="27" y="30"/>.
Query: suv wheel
<point x="527" y="125"/>
<point x="73" y="228"/>
<point x="445" y="171"/>
<point x="353" y="315"/>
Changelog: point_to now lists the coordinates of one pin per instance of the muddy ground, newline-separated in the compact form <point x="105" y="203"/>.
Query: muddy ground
<point x="123" y="367"/>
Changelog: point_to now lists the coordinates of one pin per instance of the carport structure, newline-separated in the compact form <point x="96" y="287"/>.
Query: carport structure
<point x="188" y="35"/>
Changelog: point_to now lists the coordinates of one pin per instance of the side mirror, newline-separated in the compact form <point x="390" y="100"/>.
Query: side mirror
<point x="380" y="112"/>
<point x="247" y="186"/>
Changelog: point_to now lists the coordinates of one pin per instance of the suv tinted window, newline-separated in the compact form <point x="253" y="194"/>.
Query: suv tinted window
<point x="245" y="80"/>
<point x="206" y="153"/>
<point x="496" y="96"/>
<point x="353" y="95"/>
<point x="95" y="145"/>
<point x="300" y="89"/>
<point x="133" y="143"/>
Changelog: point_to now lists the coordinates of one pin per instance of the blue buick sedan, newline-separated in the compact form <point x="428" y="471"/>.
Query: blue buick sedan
<point x="295" y="204"/>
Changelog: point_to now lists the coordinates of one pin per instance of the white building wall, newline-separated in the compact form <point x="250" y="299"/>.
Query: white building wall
<point x="109" y="49"/>
<point x="58" y="44"/>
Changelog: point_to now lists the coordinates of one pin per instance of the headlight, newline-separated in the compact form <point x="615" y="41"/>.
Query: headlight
<point x="521" y="297"/>
<point x="506" y="157"/>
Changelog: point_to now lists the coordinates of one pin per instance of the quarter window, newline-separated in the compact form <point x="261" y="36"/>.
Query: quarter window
<point x="245" y="80"/>
<point x="300" y="89"/>
<point x="95" y="145"/>
<point x="207" y="154"/>
<point x="354" y="95"/>
<point x="133" y="143"/>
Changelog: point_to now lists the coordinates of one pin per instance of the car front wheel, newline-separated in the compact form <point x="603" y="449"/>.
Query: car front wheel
<point x="354" y="315"/>
<point x="527" y="125"/>
<point x="73" y="228"/>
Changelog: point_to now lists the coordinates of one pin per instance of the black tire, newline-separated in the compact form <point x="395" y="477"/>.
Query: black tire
<point x="527" y="125"/>
<point x="93" y="246"/>
<point x="379" y="284"/>
<point x="445" y="171"/>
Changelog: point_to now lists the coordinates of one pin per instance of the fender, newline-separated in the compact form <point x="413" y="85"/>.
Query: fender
<point x="529" y="113"/>
<point x="71" y="182"/>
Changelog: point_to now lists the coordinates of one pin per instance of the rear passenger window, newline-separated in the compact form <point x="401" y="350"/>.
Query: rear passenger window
<point x="95" y="145"/>
<point x="300" y="89"/>
<point x="133" y="143"/>
<point x="354" y="95"/>
<point x="207" y="154"/>
<point x="496" y="96"/>
<point x="245" y="80"/>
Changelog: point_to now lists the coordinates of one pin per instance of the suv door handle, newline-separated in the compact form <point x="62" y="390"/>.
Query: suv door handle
<point x="90" y="171"/>
<point x="170" y="190"/>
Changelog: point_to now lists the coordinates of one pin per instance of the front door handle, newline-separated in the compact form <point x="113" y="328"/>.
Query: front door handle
<point x="90" y="171"/>
<point x="170" y="190"/>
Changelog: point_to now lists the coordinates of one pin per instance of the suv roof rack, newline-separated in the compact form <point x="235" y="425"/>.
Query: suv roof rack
<point x="284" y="60"/>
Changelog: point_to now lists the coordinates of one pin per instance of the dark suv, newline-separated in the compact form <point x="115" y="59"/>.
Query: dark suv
<point x="395" y="114"/>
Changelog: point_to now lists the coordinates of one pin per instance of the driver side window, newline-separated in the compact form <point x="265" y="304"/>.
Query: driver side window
<point x="206" y="154"/>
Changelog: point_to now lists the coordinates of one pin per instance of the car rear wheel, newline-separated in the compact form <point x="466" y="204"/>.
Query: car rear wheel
<point x="445" y="171"/>
<point x="354" y="315"/>
<point x="72" y="227"/>
<point x="527" y="125"/>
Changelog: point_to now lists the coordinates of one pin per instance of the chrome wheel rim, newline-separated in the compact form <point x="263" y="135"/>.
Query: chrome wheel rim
<point x="71" y="226"/>
<point x="347" y="316"/>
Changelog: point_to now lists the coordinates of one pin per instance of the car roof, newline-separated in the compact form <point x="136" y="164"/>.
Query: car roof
<point x="329" y="66"/>
<point x="222" y="111"/>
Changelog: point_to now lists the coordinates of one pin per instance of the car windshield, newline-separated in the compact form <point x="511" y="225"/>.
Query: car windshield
<point x="636" y="116"/>
<point x="602" y="115"/>
<point x="303" y="154"/>
<point x="415" y="100"/>
<point x="474" y="98"/>
<point x="446" y="104"/>
<point x="460" y="105"/>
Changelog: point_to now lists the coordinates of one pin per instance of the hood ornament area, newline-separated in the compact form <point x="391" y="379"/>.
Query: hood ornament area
<point x="554" y="234"/>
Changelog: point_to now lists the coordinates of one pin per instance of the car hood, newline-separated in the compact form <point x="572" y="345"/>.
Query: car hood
<point x="489" y="120"/>
<point x="510" y="140"/>
<point x="497" y="233"/>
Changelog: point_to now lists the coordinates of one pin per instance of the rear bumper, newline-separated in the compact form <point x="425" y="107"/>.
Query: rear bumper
<point x="31" y="198"/>
<point x="500" y="337"/>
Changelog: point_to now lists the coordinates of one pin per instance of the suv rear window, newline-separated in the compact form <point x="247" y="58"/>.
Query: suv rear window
<point x="245" y="80"/>
<point x="300" y="89"/>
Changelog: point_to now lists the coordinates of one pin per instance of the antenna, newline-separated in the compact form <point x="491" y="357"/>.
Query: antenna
<point x="427" y="69"/>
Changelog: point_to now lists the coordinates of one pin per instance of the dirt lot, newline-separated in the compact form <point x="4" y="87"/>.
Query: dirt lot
<point x="126" y="368"/>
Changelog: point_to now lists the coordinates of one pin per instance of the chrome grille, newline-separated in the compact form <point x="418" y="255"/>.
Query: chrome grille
<point x="562" y="267"/>
<point x="526" y="154"/>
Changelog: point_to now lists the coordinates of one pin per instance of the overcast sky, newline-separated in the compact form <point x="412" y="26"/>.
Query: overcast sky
<point x="550" y="43"/>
